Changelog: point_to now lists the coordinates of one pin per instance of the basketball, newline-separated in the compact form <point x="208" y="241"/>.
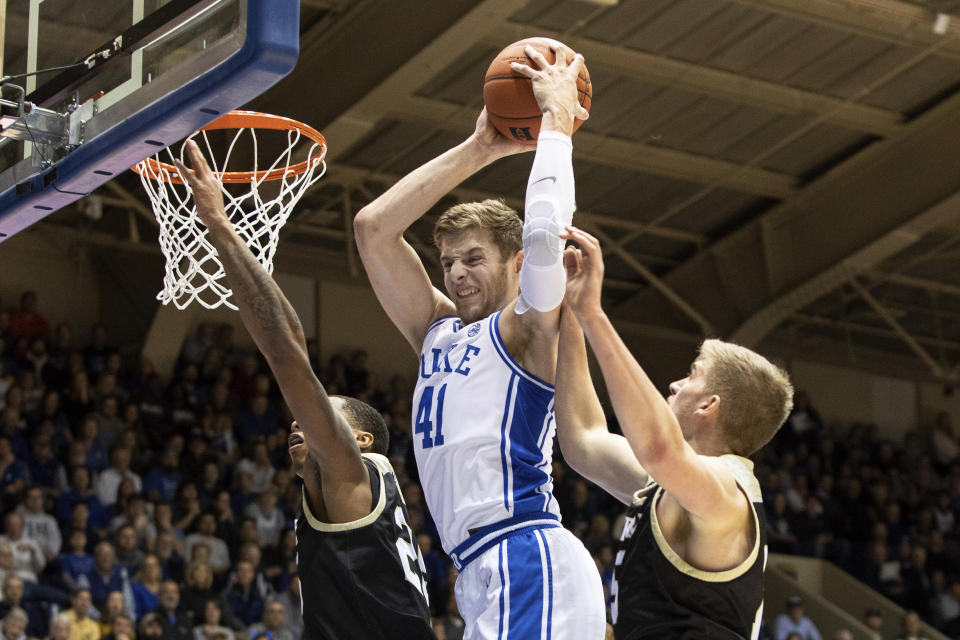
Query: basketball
<point x="508" y="96"/>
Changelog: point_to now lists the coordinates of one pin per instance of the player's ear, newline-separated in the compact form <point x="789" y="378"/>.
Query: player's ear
<point x="518" y="260"/>
<point x="364" y="439"/>
<point x="710" y="406"/>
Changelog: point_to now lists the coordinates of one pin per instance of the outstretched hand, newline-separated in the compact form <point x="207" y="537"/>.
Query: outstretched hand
<point x="555" y="87"/>
<point x="584" y="265"/>
<point x="203" y="182"/>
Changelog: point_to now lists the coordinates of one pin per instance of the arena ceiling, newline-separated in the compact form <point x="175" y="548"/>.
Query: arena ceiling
<point x="784" y="173"/>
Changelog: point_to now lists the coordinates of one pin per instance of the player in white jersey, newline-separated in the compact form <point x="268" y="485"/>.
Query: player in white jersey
<point x="483" y="406"/>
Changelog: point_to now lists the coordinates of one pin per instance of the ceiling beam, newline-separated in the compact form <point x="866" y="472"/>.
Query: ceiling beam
<point x="617" y="152"/>
<point x="847" y="222"/>
<point x="893" y="241"/>
<point x="866" y="329"/>
<point x="732" y="87"/>
<point x="920" y="283"/>
<point x="898" y="329"/>
<point x="350" y="175"/>
<point x="676" y="299"/>
<point x="357" y="121"/>
<point x="899" y="23"/>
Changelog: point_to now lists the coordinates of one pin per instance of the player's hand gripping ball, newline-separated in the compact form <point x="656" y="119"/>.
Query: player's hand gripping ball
<point x="508" y="96"/>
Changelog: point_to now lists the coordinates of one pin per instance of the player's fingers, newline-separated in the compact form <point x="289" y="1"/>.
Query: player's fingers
<point x="522" y="69"/>
<point x="577" y="65"/>
<point x="585" y="241"/>
<point x="536" y="56"/>
<point x="582" y="113"/>
<point x="193" y="154"/>
<point x="197" y="161"/>
<point x="570" y="262"/>
<point x="185" y="174"/>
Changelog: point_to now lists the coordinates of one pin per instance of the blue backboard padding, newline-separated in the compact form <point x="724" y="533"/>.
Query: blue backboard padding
<point x="269" y="53"/>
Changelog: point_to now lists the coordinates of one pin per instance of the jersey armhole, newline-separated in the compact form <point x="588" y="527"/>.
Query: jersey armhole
<point x="689" y="570"/>
<point x="376" y="478"/>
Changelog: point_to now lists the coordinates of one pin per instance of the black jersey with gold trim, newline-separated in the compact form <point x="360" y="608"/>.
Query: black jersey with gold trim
<point x="656" y="594"/>
<point x="363" y="579"/>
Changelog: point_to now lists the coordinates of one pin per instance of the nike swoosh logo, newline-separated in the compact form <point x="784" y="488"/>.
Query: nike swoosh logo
<point x="550" y="178"/>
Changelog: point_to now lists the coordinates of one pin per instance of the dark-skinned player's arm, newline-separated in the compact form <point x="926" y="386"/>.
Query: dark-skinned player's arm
<point x="396" y="272"/>
<point x="276" y="329"/>
<point x="706" y="490"/>
<point x="587" y="445"/>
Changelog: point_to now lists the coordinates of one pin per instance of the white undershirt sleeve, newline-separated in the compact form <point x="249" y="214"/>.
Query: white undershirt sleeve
<point x="549" y="208"/>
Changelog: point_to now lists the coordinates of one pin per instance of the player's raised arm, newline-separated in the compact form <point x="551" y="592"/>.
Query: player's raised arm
<point x="276" y="329"/>
<point x="393" y="266"/>
<point x="705" y="489"/>
<point x="587" y="445"/>
<point x="550" y="197"/>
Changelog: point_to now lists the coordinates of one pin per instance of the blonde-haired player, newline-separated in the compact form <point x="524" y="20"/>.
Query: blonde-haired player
<point x="693" y="548"/>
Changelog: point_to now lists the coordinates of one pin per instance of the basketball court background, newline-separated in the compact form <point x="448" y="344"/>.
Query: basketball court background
<point x="783" y="173"/>
<point x="779" y="172"/>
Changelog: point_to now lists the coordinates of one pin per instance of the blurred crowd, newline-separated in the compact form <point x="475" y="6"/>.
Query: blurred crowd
<point x="883" y="510"/>
<point x="138" y="505"/>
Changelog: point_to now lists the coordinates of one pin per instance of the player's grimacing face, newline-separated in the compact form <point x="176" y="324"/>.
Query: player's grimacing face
<point x="478" y="279"/>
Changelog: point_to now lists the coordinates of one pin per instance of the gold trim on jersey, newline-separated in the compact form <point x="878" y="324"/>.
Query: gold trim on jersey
<point x="743" y="474"/>
<point x="383" y="466"/>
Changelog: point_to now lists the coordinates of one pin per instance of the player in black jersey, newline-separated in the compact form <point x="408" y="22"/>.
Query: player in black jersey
<point x="360" y="569"/>
<point x="693" y="550"/>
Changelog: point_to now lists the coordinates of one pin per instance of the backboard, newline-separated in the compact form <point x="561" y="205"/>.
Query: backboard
<point x="141" y="75"/>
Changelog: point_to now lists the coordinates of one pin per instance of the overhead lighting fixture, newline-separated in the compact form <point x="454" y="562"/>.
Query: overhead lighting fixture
<point x="941" y="23"/>
<point x="944" y="11"/>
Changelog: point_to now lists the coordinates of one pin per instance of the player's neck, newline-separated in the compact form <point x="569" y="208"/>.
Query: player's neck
<point x="708" y="444"/>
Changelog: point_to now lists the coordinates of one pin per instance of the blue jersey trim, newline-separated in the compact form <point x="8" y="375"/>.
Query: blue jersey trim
<point x="505" y="440"/>
<point x="493" y="534"/>
<point x="527" y="595"/>
<point x="508" y="359"/>
<point x="436" y="323"/>
<point x="546" y="548"/>
<point x="547" y="459"/>
<point x="502" y="591"/>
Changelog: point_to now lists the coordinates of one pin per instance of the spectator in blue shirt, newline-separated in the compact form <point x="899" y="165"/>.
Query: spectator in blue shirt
<point x="795" y="622"/>
<point x="13" y="472"/>
<point x="42" y="464"/>
<point x="245" y="602"/>
<point x="257" y="420"/>
<point x="162" y="482"/>
<point x="80" y="491"/>
<point x="106" y="575"/>
<point x="76" y="562"/>
<point x="97" y="459"/>
<point x="146" y="586"/>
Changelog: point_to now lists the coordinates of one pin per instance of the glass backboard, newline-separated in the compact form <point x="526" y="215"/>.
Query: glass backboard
<point x="120" y="79"/>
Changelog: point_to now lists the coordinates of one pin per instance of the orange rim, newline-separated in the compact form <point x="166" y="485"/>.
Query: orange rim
<point x="247" y="120"/>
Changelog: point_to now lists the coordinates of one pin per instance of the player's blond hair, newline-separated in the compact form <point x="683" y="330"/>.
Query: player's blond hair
<point x="755" y="395"/>
<point x="495" y="216"/>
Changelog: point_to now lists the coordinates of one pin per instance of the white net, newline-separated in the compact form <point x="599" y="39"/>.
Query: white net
<point x="257" y="212"/>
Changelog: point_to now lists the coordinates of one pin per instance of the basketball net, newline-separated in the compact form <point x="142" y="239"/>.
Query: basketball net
<point x="193" y="268"/>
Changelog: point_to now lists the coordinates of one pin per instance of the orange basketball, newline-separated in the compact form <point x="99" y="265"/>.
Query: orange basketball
<point x="508" y="96"/>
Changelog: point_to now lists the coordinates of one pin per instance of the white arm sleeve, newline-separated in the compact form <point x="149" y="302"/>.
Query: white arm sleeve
<point x="549" y="208"/>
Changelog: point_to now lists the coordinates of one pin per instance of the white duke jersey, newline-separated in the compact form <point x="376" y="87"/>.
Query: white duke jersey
<point x="483" y="430"/>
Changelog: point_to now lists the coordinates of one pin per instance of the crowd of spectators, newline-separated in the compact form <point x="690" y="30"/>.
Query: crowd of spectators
<point x="883" y="510"/>
<point x="131" y="502"/>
